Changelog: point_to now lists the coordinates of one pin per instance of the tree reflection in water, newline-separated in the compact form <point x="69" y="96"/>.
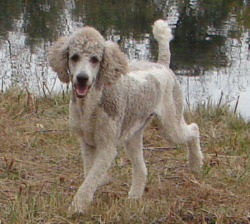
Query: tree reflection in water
<point x="209" y="49"/>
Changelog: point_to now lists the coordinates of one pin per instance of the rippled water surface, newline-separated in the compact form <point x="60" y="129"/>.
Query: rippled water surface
<point x="210" y="49"/>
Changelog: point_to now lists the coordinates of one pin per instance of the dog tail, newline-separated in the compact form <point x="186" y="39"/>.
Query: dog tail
<point x="162" y="33"/>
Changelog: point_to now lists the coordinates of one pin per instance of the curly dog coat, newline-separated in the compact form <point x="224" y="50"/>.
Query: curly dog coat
<point x="112" y="101"/>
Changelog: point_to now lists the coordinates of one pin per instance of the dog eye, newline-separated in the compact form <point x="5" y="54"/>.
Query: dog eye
<point x="94" y="60"/>
<point x="75" y="58"/>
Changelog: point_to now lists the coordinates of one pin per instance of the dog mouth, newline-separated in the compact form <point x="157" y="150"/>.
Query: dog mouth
<point x="81" y="90"/>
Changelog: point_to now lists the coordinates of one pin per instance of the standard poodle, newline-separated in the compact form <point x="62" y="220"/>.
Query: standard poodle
<point x="113" y="100"/>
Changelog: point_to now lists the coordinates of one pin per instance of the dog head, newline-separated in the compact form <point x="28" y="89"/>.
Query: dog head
<point x="87" y="60"/>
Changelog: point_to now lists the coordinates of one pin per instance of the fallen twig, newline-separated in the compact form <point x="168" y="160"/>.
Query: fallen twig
<point x="48" y="130"/>
<point x="235" y="218"/>
<point x="114" y="192"/>
<point x="174" y="177"/>
<point x="209" y="187"/>
<point x="217" y="155"/>
<point x="158" y="148"/>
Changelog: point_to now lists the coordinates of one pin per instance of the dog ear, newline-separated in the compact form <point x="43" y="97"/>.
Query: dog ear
<point x="58" y="58"/>
<point x="113" y="65"/>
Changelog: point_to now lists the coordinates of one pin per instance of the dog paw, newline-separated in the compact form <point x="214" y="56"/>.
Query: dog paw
<point x="196" y="166"/>
<point x="107" y="180"/>
<point x="79" y="205"/>
<point x="135" y="194"/>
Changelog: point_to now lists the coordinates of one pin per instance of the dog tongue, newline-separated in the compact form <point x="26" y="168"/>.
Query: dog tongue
<point x="81" y="90"/>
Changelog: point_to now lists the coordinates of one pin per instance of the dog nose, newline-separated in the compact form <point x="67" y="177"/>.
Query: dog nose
<point x="82" y="77"/>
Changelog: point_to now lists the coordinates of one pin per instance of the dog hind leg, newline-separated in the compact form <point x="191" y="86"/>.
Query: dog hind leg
<point x="175" y="129"/>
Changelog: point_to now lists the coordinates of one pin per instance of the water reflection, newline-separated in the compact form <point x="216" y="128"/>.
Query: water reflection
<point x="210" y="48"/>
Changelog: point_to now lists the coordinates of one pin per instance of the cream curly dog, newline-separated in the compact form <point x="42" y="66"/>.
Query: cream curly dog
<point x="112" y="101"/>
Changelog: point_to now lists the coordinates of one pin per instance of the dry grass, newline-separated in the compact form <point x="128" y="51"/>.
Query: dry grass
<point x="41" y="169"/>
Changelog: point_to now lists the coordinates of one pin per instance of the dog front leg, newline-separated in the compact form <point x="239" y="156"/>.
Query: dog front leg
<point x="88" y="156"/>
<point x="134" y="151"/>
<point x="103" y="160"/>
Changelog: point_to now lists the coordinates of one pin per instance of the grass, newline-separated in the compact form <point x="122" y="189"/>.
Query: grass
<point x="41" y="169"/>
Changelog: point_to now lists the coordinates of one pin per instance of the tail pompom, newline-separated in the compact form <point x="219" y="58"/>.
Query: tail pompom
<point x="161" y="31"/>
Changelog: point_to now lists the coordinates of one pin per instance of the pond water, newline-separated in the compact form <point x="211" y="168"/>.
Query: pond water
<point x="210" y="49"/>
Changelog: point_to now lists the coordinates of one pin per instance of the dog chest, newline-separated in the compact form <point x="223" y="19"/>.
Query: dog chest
<point x="82" y="120"/>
